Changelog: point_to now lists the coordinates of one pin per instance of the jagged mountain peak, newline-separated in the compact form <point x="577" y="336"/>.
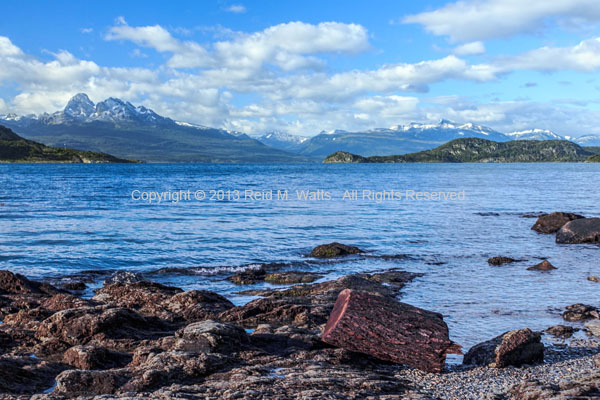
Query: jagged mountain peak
<point x="79" y="107"/>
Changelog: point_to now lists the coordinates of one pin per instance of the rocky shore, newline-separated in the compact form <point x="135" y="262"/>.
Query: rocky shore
<point x="136" y="338"/>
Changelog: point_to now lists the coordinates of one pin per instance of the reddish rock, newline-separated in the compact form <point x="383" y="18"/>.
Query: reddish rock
<point x="586" y="230"/>
<point x="95" y="357"/>
<point x="333" y="250"/>
<point x="543" y="266"/>
<point x="551" y="223"/>
<point x="60" y="302"/>
<point x="561" y="331"/>
<point x="515" y="348"/>
<point x="26" y="375"/>
<point x="18" y="284"/>
<point x="389" y="330"/>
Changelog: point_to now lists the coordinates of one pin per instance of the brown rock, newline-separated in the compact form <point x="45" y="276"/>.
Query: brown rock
<point x="60" y="302"/>
<point x="551" y="223"/>
<point x="141" y="296"/>
<point x="515" y="348"/>
<point x="561" y="331"/>
<point x="291" y="277"/>
<point x="334" y="249"/>
<point x="26" y="375"/>
<point x="580" y="312"/>
<point x="84" y="382"/>
<point x="543" y="266"/>
<point x="214" y="337"/>
<point x="18" y="284"/>
<point x="501" y="260"/>
<point x="593" y="278"/>
<point x="586" y="230"/>
<point x="95" y="357"/>
<point x="248" y="277"/>
<point x="197" y="305"/>
<point x="388" y="330"/>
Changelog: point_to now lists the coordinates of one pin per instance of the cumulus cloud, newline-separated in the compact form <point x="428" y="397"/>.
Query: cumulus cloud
<point x="472" y="20"/>
<point x="473" y="48"/>
<point x="236" y="8"/>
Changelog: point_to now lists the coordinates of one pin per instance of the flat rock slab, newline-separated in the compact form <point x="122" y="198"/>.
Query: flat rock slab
<point x="389" y="330"/>
<point x="586" y="230"/>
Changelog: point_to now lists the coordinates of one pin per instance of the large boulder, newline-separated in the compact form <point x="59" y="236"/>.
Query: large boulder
<point x="95" y="357"/>
<point x="213" y="337"/>
<point x="551" y="223"/>
<point x="11" y="283"/>
<point x="515" y="348"/>
<point x="333" y="250"/>
<point x="85" y="382"/>
<point x="389" y="330"/>
<point x="580" y="312"/>
<point x="586" y="230"/>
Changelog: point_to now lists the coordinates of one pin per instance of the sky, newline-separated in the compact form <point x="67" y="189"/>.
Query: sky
<point x="304" y="67"/>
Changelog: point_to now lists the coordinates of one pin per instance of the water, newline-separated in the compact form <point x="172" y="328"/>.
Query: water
<point x="62" y="219"/>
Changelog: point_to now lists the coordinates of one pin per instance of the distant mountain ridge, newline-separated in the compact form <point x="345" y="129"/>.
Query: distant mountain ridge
<point x="118" y="127"/>
<point x="481" y="151"/>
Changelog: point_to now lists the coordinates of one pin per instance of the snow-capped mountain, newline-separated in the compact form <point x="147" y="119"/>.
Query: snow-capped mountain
<point x="283" y="140"/>
<point x="535" y="134"/>
<point x="588" y="140"/>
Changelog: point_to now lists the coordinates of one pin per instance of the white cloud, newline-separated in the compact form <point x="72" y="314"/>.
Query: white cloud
<point x="472" y="48"/>
<point x="236" y="8"/>
<point x="87" y="30"/>
<point x="472" y="20"/>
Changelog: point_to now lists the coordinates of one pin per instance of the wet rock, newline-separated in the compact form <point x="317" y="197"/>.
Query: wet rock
<point x="214" y="337"/>
<point x="124" y="278"/>
<point x="543" y="266"/>
<point x="551" y="223"/>
<point x="18" y="284"/>
<point x="26" y="375"/>
<point x="333" y="250"/>
<point x="580" y="312"/>
<point x="561" y="331"/>
<point x="515" y="348"/>
<point x="79" y="326"/>
<point x="74" y="286"/>
<point x="388" y="330"/>
<point x="501" y="260"/>
<point x="95" y="357"/>
<point x="593" y="327"/>
<point x="248" y="277"/>
<point x="291" y="277"/>
<point x="586" y="230"/>
<point x="85" y="382"/>
<point x="593" y="278"/>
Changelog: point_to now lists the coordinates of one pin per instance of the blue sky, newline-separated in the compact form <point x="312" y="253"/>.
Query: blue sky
<point x="303" y="67"/>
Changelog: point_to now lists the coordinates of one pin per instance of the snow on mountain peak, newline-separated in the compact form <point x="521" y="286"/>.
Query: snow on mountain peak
<point x="79" y="107"/>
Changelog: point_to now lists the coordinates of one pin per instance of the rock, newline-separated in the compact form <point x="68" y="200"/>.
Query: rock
<point x="124" y="278"/>
<point x="580" y="312"/>
<point x="593" y="327"/>
<point x="95" y="357"/>
<point x="551" y="223"/>
<point x="389" y="330"/>
<point x="276" y="312"/>
<point x="214" y="337"/>
<point x="157" y="369"/>
<point x="74" y="286"/>
<point x="18" y="284"/>
<point x="593" y="278"/>
<point x="80" y="325"/>
<point x="515" y="348"/>
<point x="60" y="302"/>
<point x="291" y="277"/>
<point x="248" y="277"/>
<point x="586" y="230"/>
<point x="166" y="302"/>
<point x="561" y="331"/>
<point x="501" y="260"/>
<point x="26" y="375"/>
<point x="333" y="250"/>
<point x="543" y="266"/>
<point x="84" y="382"/>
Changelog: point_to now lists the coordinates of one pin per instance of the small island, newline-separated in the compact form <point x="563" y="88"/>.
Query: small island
<point x="478" y="150"/>
<point x="15" y="149"/>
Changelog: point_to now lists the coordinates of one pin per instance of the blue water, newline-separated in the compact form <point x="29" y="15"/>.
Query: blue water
<point x="61" y="219"/>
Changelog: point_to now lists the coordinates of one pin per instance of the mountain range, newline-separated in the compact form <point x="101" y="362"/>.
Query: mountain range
<point x="118" y="127"/>
<point x="410" y="138"/>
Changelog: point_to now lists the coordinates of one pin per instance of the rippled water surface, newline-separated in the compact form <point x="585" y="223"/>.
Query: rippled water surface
<point x="61" y="219"/>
